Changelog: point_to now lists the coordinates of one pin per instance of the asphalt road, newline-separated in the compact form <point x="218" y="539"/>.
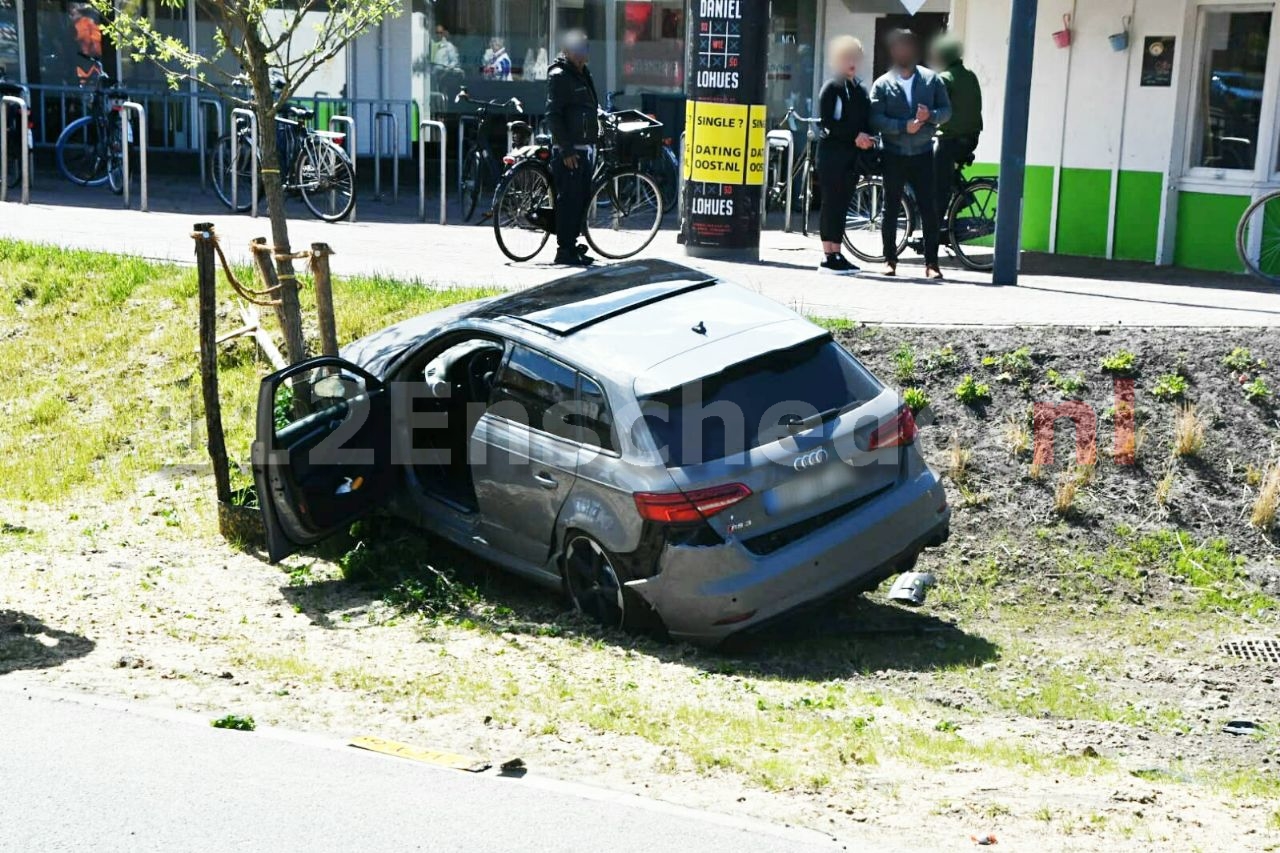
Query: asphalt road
<point x="83" y="775"/>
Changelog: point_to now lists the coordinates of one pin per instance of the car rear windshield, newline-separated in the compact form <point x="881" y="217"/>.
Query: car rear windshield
<point x="753" y="403"/>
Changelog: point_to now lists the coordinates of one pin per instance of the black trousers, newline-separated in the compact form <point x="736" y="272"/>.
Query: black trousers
<point x="573" y="186"/>
<point x="837" y="180"/>
<point x="918" y="172"/>
<point x="951" y="151"/>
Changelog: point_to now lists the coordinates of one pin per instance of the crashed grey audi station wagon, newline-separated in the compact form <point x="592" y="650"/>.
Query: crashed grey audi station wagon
<point x="672" y="451"/>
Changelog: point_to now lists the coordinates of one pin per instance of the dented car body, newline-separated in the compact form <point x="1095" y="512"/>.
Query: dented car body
<point x="671" y="450"/>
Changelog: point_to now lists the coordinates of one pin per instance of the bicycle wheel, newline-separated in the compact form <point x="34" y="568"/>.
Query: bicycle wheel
<point x="221" y="165"/>
<point x="665" y="171"/>
<point x="81" y="153"/>
<point x="624" y="215"/>
<point x="472" y="172"/>
<point x="326" y="180"/>
<point x="116" y="152"/>
<point x="863" y="220"/>
<point x="524" y="211"/>
<point x="971" y="223"/>
<point x="1258" y="238"/>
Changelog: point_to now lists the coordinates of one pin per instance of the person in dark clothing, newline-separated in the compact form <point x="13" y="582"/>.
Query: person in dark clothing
<point x="845" y="113"/>
<point x="958" y="138"/>
<point x="908" y="105"/>
<point x="573" y="114"/>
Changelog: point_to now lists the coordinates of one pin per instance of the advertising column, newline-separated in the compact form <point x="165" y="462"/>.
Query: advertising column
<point x="725" y="126"/>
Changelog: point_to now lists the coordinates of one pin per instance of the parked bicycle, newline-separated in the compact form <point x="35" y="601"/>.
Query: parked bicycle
<point x="313" y="166"/>
<point x="664" y="167"/>
<point x="13" y="129"/>
<point x="625" y="210"/>
<point x="480" y="169"/>
<point x="968" y="228"/>
<point x="1258" y="238"/>
<point x="800" y="180"/>
<point x="89" y="151"/>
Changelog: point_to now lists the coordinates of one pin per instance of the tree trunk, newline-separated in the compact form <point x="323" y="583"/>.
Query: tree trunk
<point x="273" y="185"/>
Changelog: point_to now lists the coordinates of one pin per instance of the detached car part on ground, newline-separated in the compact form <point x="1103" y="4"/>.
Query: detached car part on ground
<point x="672" y="451"/>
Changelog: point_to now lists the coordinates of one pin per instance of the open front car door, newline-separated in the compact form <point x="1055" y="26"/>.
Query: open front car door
<point x="322" y="455"/>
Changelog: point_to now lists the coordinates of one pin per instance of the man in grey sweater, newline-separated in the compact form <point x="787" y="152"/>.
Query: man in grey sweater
<point x="908" y="104"/>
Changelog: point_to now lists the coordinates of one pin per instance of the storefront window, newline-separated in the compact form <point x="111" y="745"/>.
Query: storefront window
<point x="792" y="34"/>
<point x="207" y="44"/>
<point x="64" y="31"/>
<point x="650" y="45"/>
<point x="9" y="38"/>
<point x="480" y="42"/>
<point x="1231" y="71"/>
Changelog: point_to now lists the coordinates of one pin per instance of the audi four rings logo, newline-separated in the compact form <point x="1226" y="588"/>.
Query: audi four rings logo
<point x="810" y="460"/>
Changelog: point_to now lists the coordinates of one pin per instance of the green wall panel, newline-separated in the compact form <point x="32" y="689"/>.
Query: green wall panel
<point x="1084" y="203"/>
<point x="1138" y="216"/>
<point x="1206" y="236"/>
<point x="1036" y="204"/>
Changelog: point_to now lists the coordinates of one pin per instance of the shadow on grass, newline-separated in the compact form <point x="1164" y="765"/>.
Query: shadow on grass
<point x="27" y="643"/>
<point x="416" y="573"/>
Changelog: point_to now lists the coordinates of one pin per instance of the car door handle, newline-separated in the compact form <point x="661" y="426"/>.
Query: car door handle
<point x="546" y="480"/>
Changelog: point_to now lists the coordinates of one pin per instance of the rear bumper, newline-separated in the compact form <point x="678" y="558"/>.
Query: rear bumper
<point x="705" y="594"/>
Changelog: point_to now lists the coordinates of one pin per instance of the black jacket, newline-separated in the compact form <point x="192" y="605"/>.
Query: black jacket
<point x="572" y="105"/>
<point x="854" y="113"/>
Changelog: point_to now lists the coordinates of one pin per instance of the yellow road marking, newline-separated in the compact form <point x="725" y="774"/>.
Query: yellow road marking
<point x="470" y="763"/>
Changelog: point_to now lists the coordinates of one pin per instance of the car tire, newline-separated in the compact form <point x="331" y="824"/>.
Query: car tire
<point x="595" y="581"/>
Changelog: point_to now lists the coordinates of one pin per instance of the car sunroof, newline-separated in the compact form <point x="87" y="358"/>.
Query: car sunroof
<point x="566" y="305"/>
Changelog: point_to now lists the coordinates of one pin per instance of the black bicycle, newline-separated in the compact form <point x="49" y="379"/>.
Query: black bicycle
<point x="313" y="165"/>
<point x="480" y="168"/>
<point x="800" y="181"/>
<point x="90" y="151"/>
<point x="968" y="228"/>
<point x="663" y="167"/>
<point x="625" y="210"/>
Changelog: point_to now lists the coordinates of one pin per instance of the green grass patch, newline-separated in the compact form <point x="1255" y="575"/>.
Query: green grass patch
<point x="110" y="390"/>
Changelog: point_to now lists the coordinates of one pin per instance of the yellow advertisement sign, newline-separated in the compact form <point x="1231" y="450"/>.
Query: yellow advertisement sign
<point x="725" y="143"/>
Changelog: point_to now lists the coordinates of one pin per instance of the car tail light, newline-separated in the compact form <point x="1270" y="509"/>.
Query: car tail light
<point x="899" y="431"/>
<point x="678" y="507"/>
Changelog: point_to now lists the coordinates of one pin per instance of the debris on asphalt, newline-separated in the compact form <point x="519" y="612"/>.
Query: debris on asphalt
<point x="513" y="767"/>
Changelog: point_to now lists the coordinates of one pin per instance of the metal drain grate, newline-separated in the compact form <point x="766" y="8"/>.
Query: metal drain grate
<point x="1258" y="651"/>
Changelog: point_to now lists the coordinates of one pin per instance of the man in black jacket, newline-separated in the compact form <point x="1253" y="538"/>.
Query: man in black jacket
<point x="573" y="113"/>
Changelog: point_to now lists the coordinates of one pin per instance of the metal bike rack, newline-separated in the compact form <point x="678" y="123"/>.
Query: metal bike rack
<point x="253" y="161"/>
<point x="350" y="124"/>
<point x="424" y="126"/>
<point x="777" y="140"/>
<point x="127" y="107"/>
<point x="202" y="142"/>
<point x="6" y="103"/>
<point x="378" y="145"/>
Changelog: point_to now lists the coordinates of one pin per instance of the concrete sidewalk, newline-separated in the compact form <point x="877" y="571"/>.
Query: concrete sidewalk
<point x="387" y="241"/>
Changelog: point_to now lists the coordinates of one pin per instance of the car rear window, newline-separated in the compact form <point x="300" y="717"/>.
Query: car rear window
<point x="749" y="404"/>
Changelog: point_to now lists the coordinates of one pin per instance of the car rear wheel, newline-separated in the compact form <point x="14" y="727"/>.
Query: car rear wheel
<point x="596" y="582"/>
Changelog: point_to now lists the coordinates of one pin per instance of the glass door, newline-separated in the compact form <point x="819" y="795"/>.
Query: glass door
<point x="1230" y="84"/>
<point x="793" y="59"/>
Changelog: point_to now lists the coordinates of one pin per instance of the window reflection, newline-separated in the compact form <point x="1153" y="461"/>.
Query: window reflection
<point x="1231" y="70"/>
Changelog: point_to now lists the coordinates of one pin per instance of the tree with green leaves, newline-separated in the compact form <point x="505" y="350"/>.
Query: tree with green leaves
<point x="276" y="45"/>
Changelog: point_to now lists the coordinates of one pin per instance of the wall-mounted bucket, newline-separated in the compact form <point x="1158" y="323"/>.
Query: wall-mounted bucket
<point x="1062" y="38"/>
<point x="1120" y="41"/>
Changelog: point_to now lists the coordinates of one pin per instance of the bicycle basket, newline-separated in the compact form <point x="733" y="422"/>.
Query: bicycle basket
<point x="633" y="135"/>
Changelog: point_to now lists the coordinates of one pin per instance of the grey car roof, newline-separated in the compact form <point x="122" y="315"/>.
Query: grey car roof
<point x="695" y="326"/>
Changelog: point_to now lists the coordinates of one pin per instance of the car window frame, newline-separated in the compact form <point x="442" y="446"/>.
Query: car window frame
<point x="579" y="374"/>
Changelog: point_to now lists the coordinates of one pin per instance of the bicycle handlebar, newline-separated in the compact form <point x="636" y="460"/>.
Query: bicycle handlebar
<point x="463" y="97"/>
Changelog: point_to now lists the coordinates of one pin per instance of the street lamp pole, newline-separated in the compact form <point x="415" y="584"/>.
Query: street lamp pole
<point x="1013" y="142"/>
